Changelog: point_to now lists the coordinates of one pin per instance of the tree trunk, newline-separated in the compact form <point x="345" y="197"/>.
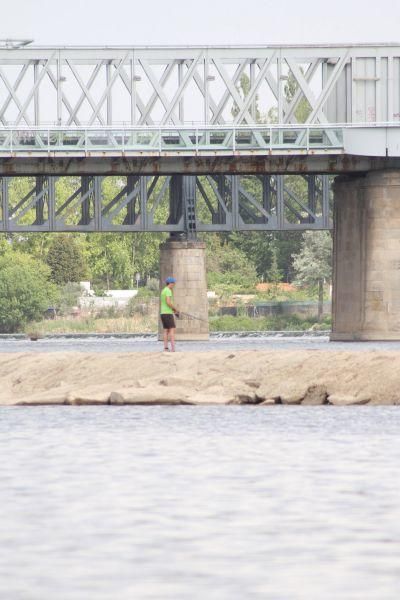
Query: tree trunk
<point x="320" y="299"/>
<point x="133" y="265"/>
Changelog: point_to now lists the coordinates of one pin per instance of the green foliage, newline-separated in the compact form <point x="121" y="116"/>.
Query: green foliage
<point x="25" y="291"/>
<point x="141" y="303"/>
<point x="66" y="260"/>
<point x="257" y="248"/>
<point x="5" y="243"/>
<point x="68" y="297"/>
<point x="145" y="293"/>
<point x="145" y="252"/>
<point x="115" y="258"/>
<point x="275" y="323"/>
<point x="227" y="265"/>
<point x="313" y="265"/>
<point x="274" y="274"/>
<point x="110" y="261"/>
<point x="81" y="325"/>
<point x="108" y="312"/>
<point x="270" y="253"/>
<point x="132" y="307"/>
<point x="35" y="244"/>
<point x="244" y="90"/>
<point x="285" y="245"/>
<point x="153" y="284"/>
<point x="299" y="294"/>
<point x="314" y="261"/>
<point x="303" y="108"/>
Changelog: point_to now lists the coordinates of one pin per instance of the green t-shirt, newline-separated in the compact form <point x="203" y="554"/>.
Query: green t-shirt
<point x="164" y="308"/>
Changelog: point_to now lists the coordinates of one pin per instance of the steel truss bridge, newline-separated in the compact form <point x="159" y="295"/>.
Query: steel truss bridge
<point x="174" y="203"/>
<point x="194" y="138"/>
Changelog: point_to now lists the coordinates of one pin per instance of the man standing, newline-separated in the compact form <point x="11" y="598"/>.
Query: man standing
<point x="167" y="312"/>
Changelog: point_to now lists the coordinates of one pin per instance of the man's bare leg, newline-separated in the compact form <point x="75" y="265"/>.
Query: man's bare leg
<point x="172" y="339"/>
<point x="165" y="332"/>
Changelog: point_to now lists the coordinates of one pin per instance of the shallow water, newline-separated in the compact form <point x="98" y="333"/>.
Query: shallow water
<point x="122" y="503"/>
<point x="256" y="341"/>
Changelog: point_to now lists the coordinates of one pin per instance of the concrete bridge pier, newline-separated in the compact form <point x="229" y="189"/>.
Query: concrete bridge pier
<point x="366" y="257"/>
<point x="184" y="257"/>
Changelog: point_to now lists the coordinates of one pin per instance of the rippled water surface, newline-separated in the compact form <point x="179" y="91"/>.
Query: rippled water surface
<point x="122" y="503"/>
<point x="149" y="343"/>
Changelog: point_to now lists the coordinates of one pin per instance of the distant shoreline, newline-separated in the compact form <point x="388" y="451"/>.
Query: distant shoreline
<point x="258" y="377"/>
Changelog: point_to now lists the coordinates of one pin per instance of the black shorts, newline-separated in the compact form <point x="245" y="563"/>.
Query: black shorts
<point x="168" y="321"/>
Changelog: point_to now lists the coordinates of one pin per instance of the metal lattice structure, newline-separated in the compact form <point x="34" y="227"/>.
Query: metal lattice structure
<point x="175" y="203"/>
<point x="184" y="85"/>
<point x="200" y="137"/>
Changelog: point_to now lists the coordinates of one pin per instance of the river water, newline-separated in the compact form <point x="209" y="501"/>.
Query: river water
<point x="199" y="503"/>
<point x="149" y="343"/>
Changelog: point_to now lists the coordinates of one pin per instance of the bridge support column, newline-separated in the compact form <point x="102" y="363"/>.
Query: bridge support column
<point x="185" y="260"/>
<point x="366" y="271"/>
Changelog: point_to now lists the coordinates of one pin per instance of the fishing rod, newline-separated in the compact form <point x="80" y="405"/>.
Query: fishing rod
<point x="189" y="317"/>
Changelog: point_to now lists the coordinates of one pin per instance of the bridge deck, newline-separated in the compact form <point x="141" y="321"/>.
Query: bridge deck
<point x="155" y="150"/>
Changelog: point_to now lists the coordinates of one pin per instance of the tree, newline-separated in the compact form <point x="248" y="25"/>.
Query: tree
<point x="25" y="291"/>
<point x="313" y="264"/>
<point x="303" y="108"/>
<point x="145" y="252"/>
<point x="227" y="265"/>
<point x="285" y="245"/>
<point x="66" y="260"/>
<point x="5" y="243"/>
<point x="115" y="258"/>
<point x="35" y="244"/>
<point x="244" y="90"/>
<point x="109" y="257"/>
<point x="257" y="247"/>
<point x="274" y="273"/>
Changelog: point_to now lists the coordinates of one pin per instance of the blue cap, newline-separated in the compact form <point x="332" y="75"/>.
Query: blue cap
<point x="170" y="280"/>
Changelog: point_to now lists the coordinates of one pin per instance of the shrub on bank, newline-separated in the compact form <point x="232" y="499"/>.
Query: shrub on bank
<point x="25" y="291"/>
<point x="68" y="297"/>
<point x="275" y="323"/>
<point x="141" y="304"/>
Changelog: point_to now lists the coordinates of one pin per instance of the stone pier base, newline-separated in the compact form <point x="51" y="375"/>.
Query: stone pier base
<point x="366" y="299"/>
<point x="185" y="260"/>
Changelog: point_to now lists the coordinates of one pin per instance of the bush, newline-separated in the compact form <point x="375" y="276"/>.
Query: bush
<point x="230" y="323"/>
<point x="145" y="292"/>
<point x="275" y="323"/>
<point x="153" y="284"/>
<point x="140" y="304"/>
<point x="69" y="294"/>
<point x="25" y="291"/>
<point x="108" y="312"/>
<point x="228" y="266"/>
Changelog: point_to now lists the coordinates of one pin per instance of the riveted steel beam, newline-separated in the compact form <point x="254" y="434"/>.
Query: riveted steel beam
<point x="194" y="165"/>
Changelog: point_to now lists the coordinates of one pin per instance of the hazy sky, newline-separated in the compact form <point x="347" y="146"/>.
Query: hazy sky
<point x="152" y="22"/>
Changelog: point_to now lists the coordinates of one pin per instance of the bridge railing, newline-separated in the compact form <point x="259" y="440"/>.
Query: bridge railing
<point x="167" y="139"/>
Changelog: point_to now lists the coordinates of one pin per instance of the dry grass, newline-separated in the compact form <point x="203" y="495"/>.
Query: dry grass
<point x="135" y="324"/>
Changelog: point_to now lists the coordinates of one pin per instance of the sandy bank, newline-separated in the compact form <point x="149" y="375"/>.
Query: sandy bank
<point x="218" y="377"/>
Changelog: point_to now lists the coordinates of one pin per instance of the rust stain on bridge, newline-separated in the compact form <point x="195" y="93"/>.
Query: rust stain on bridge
<point x="196" y="165"/>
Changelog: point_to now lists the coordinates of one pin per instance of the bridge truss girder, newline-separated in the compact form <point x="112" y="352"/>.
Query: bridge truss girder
<point x="178" y="204"/>
<point x="178" y="85"/>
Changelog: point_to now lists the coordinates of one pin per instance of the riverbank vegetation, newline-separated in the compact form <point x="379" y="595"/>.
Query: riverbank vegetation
<point x="252" y="277"/>
<point x="40" y="272"/>
<point x="143" y="324"/>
